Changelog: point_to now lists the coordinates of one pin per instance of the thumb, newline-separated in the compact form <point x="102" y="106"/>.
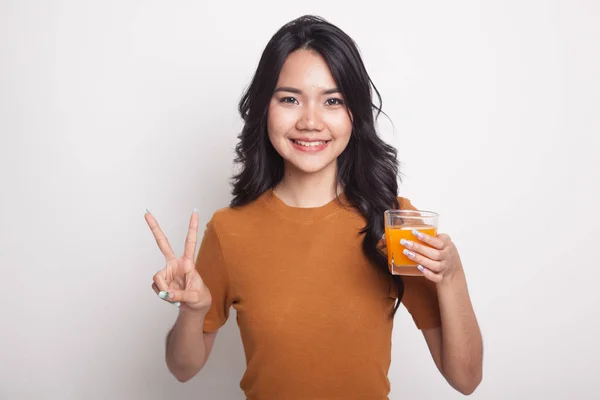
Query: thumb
<point x="382" y="244"/>
<point x="170" y="297"/>
<point x="177" y="296"/>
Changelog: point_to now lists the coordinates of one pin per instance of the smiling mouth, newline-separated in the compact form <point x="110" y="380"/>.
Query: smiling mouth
<point x="311" y="143"/>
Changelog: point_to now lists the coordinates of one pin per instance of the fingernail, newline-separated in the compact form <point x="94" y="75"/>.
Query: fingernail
<point x="177" y="304"/>
<point x="163" y="295"/>
<point x="405" y="242"/>
<point x="418" y="234"/>
<point x="420" y="268"/>
<point x="408" y="253"/>
<point x="147" y="211"/>
<point x="195" y="210"/>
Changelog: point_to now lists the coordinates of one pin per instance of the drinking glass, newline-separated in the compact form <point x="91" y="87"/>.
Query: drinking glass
<point x="399" y="224"/>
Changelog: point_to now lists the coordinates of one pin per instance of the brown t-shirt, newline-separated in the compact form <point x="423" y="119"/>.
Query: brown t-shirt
<point x="313" y="311"/>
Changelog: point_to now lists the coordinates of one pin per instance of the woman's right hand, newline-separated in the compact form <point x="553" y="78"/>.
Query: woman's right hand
<point x="179" y="282"/>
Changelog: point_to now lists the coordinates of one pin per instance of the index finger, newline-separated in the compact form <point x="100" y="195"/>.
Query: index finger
<point x="432" y="241"/>
<point x="161" y="239"/>
<point x="192" y="237"/>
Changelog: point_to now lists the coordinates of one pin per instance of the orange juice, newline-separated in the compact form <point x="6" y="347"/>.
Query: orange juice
<point x="398" y="263"/>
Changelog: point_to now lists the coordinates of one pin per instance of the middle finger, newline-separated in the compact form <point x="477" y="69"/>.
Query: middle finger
<point x="192" y="237"/>
<point x="427" y="251"/>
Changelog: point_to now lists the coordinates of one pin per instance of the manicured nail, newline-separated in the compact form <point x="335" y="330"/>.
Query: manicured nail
<point x="163" y="295"/>
<point x="406" y="243"/>
<point x="147" y="211"/>
<point x="420" y="268"/>
<point x="177" y="304"/>
<point x="418" y="234"/>
<point x="195" y="210"/>
<point x="408" y="253"/>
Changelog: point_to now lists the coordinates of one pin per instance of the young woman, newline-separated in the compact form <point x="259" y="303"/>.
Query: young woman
<point x="298" y="253"/>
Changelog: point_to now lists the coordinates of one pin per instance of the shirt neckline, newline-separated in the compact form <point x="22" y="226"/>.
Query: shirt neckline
<point x="273" y="202"/>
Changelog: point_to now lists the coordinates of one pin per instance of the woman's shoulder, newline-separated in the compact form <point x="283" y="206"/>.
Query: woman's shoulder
<point x="405" y="204"/>
<point x="229" y="216"/>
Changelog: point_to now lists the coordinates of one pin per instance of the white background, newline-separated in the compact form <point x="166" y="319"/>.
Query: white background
<point x="108" y="108"/>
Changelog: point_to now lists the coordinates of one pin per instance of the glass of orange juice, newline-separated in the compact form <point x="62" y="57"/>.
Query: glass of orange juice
<point x="399" y="224"/>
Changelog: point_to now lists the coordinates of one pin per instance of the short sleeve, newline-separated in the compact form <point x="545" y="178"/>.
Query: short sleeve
<point x="420" y="294"/>
<point x="210" y="264"/>
<point x="421" y="300"/>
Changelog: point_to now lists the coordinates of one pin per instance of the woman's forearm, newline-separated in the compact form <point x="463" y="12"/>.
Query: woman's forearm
<point x="185" y="347"/>
<point x="462" y="346"/>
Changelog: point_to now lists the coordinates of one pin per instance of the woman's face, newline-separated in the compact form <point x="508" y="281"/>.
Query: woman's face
<point x="308" y="123"/>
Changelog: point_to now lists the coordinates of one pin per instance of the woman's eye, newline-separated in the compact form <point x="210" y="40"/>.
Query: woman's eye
<point x="291" y="100"/>
<point x="334" y="102"/>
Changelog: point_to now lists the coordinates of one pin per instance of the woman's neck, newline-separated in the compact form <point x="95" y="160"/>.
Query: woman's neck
<point x="298" y="189"/>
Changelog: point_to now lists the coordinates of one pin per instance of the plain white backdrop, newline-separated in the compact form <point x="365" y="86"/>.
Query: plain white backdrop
<point x="108" y="108"/>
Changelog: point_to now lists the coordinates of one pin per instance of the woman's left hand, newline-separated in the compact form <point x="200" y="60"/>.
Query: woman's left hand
<point x="437" y="256"/>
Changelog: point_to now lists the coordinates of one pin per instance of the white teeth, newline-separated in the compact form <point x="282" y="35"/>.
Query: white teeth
<point x="309" y="144"/>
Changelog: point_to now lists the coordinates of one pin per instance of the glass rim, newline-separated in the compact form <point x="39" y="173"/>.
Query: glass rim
<point x="416" y="213"/>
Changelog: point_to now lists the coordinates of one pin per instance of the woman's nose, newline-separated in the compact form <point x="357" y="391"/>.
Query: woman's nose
<point x="310" y="119"/>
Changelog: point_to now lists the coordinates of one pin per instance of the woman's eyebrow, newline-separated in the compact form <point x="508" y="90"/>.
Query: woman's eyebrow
<point x="290" y="89"/>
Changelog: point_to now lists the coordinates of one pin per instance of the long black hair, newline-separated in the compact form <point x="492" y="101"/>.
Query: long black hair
<point x="367" y="168"/>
